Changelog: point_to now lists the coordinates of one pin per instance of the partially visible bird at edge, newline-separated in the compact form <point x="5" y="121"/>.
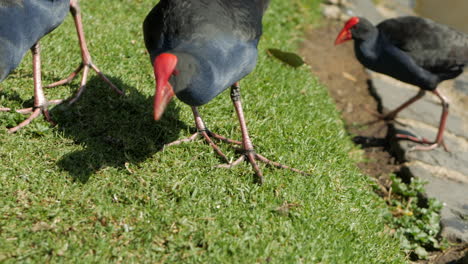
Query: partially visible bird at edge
<point x="22" y="25"/>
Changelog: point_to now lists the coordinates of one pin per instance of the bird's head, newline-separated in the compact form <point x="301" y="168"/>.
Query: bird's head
<point x="164" y="67"/>
<point x="357" y="28"/>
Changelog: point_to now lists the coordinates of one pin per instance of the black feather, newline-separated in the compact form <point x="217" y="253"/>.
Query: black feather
<point x="435" y="47"/>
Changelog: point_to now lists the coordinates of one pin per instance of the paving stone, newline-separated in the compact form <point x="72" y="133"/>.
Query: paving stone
<point x="447" y="173"/>
<point x="455" y="160"/>
<point x="331" y="11"/>
<point x="454" y="215"/>
<point x="365" y="8"/>
<point x="399" y="7"/>
<point x="461" y="84"/>
<point x="407" y="4"/>
<point x="425" y="110"/>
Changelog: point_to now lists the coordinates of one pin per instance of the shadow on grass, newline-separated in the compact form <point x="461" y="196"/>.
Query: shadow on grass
<point x="113" y="129"/>
<point x="11" y="96"/>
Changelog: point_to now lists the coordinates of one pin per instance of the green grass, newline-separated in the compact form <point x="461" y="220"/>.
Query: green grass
<point x="97" y="188"/>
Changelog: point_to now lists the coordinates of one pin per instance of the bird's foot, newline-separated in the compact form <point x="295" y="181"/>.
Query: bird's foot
<point x="66" y="80"/>
<point x="207" y="135"/>
<point x="195" y="135"/>
<point x="85" y="67"/>
<point x="86" y="62"/>
<point x="428" y="145"/>
<point x="251" y="156"/>
<point x="35" y="112"/>
<point x="247" y="155"/>
<point x="180" y="141"/>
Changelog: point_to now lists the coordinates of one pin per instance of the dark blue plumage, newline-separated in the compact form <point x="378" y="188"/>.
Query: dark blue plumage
<point x="22" y="24"/>
<point x="216" y="42"/>
<point x="198" y="49"/>
<point x="414" y="50"/>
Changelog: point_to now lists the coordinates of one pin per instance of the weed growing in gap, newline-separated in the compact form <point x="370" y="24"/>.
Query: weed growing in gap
<point x="414" y="218"/>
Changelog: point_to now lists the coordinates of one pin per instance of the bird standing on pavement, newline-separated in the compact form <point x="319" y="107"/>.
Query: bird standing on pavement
<point x="198" y="49"/>
<point x="413" y="50"/>
<point x="22" y="24"/>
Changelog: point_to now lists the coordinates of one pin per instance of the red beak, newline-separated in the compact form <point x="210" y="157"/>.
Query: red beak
<point x="345" y="34"/>
<point x="164" y="67"/>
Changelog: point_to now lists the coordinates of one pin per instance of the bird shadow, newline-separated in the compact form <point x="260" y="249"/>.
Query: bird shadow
<point x="10" y="96"/>
<point x="113" y="130"/>
<point x="370" y="142"/>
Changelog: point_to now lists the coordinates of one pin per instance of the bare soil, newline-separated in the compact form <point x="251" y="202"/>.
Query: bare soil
<point x="348" y="84"/>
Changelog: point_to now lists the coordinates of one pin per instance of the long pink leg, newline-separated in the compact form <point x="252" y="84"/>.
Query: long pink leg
<point x="86" y="63"/>
<point x="439" y="140"/>
<point x="246" y="142"/>
<point x="391" y="115"/>
<point x="40" y="102"/>
<point x="247" y="145"/>
<point x="203" y="131"/>
<point x="200" y="125"/>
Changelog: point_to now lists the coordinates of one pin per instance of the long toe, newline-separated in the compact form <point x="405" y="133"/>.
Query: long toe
<point x="68" y="79"/>
<point x="180" y="141"/>
<point x="431" y="146"/>
<point x="35" y="113"/>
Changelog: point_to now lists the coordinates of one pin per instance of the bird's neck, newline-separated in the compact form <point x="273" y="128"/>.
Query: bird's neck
<point x="206" y="69"/>
<point x="368" y="47"/>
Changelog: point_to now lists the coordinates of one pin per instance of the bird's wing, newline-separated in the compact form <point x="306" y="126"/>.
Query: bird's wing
<point x="435" y="47"/>
<point x="170" y="22"/>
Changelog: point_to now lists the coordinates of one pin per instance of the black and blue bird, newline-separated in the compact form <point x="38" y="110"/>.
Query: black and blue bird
<point x="22" y="24"/>
<point x="200" y="48"/>
<point x="413" y="50"/>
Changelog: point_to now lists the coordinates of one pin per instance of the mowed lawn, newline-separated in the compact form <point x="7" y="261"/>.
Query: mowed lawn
<point x="98" y="188"/>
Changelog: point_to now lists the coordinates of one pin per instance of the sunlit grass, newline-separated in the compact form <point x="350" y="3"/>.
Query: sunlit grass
<point x="98" y="188"/>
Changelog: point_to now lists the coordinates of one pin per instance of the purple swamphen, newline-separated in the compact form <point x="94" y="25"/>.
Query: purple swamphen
<point x="413" y="50"/>
<point x="200" y="48"/>
<point x="22" y="24"/>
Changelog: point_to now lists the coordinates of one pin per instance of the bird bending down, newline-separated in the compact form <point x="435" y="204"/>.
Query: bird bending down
<point x="413" y="50"/>
<point x="22" y="24"/>
<point x="198" y="49"/>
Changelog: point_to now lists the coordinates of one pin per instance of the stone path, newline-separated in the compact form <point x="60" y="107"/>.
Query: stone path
<point x="446" y="172"/>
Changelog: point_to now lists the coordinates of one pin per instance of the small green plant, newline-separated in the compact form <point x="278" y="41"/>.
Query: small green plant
<point x="415" y="219"/>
